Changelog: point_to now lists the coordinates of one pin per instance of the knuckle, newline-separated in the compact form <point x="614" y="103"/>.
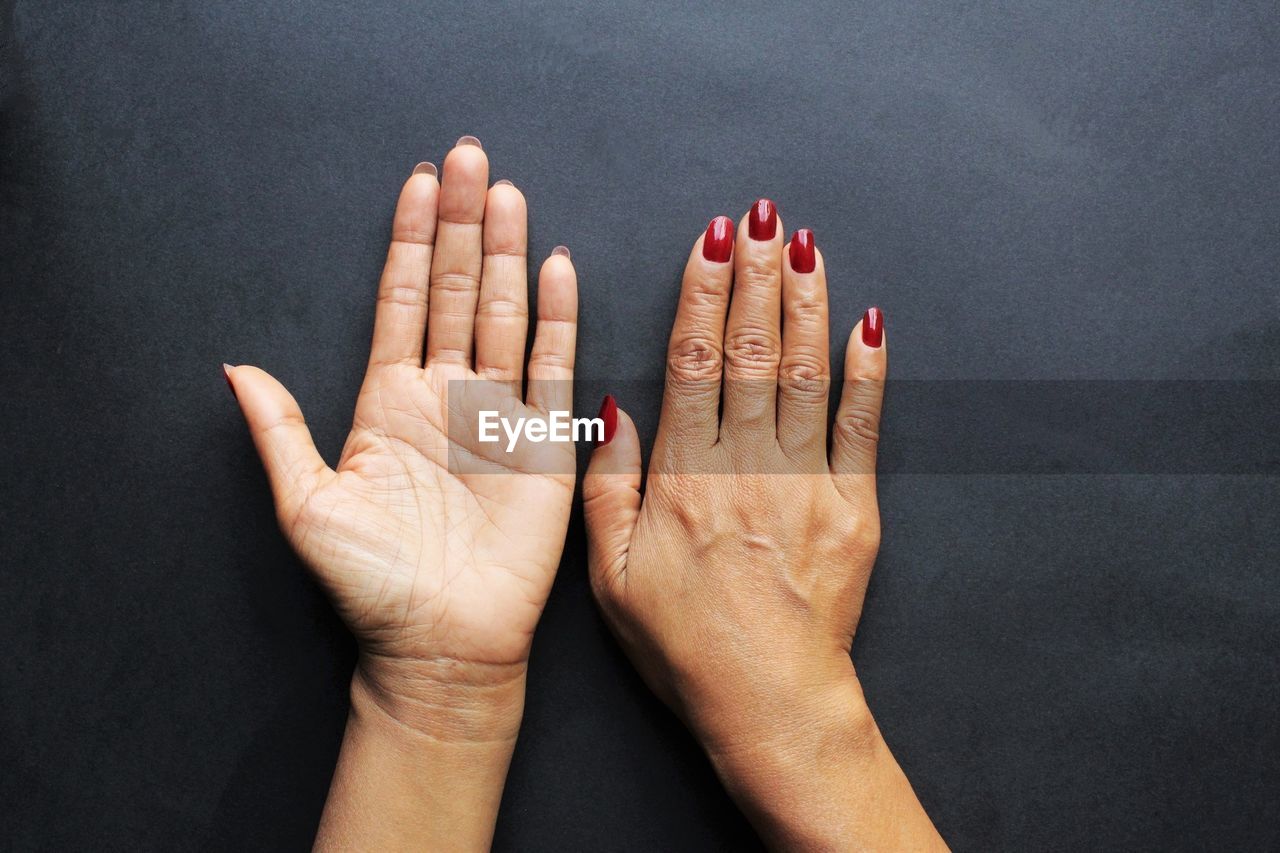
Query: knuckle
<point x="858" y="424"/>
<point x="694" y="358"/>
<point x="455" y="282"/>
<point x="757" y="274"/>
<point x="805" y="373"/>
<point x="805" y="304"/>
<point x="500" y="308"/>
<point x="752" y="351"/>
<point x="704" y="293"/>
<point x="865" y="537"/>
<point x="401" y="294"/>
<point x="550" y="359"/>
<point x="419" y="231"/>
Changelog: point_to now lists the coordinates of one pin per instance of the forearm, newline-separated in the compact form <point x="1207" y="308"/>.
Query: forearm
<point x="812" y="772"/>
<point x="424" y="772"/>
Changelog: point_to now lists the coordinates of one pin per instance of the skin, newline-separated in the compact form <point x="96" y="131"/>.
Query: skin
<point x="735" y="581"/>
<point x="441" y="571"/>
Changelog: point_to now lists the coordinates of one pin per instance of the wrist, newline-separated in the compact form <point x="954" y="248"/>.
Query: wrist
<point x="798" y="698"/>
<point x="445" y="700"/>
<point x="804" y="762"/>
<point x="790" y="724"/>
<point x="423" y="760"/>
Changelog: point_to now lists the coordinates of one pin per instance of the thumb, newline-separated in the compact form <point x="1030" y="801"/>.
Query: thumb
<point x="293" y="464"/>
<point x="611" y="497"/>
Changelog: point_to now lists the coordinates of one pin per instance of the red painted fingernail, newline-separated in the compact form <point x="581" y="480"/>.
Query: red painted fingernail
<point x="226" y="374"/>
<point x="763" y="222"/>
<point x="608" y="414"/>
<point x="717" y="246"/>
<point x="873" y="328"/>
<point x="802" y="256"/>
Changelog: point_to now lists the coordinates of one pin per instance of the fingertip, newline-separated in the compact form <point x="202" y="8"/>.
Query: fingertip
<point x="762" y="223"/>
<point x="464" y="185"/>
<point x="864" y="362"/>
<point x="871" y="328"/>
<point x="506" y="222"/>
<point x="619" y="453"/>
<point x="415" y="216"/>
<point x="626" y="436"/>
<point x="466" y="160"/>
<point x="558" y="263"/>
<point x="716" y="243"/>
<point x="558" y="287"/>
<point x="609" y="416"/>
<point x="505" y="197"/>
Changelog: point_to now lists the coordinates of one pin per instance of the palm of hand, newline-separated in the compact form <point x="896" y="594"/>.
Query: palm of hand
<point x="424" y="558"/>
<point x="435" y="548"/>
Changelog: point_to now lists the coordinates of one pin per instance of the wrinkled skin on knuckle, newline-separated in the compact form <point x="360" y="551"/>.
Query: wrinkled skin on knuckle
<point x="858" y="424"/>
<point x="752" y="353"/>
<point x="806" y="304"/>
<point x="694" y="359"/>
<point x="804" y="374"/>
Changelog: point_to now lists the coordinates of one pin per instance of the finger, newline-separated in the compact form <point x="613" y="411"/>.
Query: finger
<point x="857" y="429"/>
<point x="804" y="373"/>
<point x="284" y="444"/>
<point x="455" y="268"/>
<point x="752" y="340"/>
<point x="502" y="315"/>
<point x="695" y="352"/>
<point x="611" y="502"/>
<point x="400" y="319"/>
<point x="554" y="342"/>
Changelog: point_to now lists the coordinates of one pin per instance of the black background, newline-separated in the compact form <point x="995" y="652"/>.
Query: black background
<point x="1051" y="189"/>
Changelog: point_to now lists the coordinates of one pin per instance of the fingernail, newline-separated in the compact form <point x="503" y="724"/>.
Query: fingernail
<point x="608" y="414"/>
<point x="873" y="328"/>
<point x="469" y="140"/>
<point x="503" y="183"/>
<point x="763" y="222"/>
<point x="717" y="246"/>
<point x="802" y="255"/>
<point x="226" y="374"/>
<point x="425" y="168"/>
<point x="561" y="250"/>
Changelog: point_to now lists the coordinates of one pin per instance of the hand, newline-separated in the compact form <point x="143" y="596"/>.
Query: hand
<point x="736" y="583"/>
<point x="439" y="569"/>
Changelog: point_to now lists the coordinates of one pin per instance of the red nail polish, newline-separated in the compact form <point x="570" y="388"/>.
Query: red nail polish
<point x="873" y="328"/>
<point x="763" y="222"/>
<point x="717" y="246"/>
<point x="226" y="374"/>
<point x="608" y="414"/>
<point x="802" y="256"/>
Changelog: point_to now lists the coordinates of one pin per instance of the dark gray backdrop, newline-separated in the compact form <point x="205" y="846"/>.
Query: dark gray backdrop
<point x="1050" y="189"/>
